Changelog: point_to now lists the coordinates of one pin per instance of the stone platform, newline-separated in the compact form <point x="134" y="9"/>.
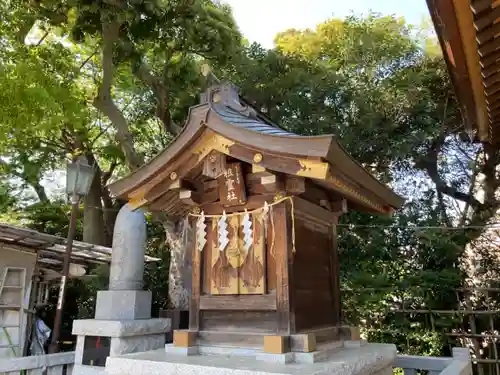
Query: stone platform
<point x="364" y="360"/>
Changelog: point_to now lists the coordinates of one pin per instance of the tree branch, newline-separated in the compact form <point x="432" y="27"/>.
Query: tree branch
<point x="465" y="211"/>
<point x="43" y="38"/>
<point x="104" y="102"/>
<point x="35" y="184"/>
<point x="82" y="65"/>
<point x="107" y="175"/>
<point x="429" y="163"/>
<point x="101" y="133"/>
<point x="160" y="91"/>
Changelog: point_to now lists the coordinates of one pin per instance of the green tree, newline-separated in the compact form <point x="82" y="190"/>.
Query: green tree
<point x="381" y="88"/>
<point x="106" y="79"/>
<point x="113" y="80"/>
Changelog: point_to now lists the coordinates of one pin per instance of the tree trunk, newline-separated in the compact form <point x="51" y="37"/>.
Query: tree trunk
<point x="179" y="239"/>
<point x="40" y="191"/>
<point x="93" y="220"/>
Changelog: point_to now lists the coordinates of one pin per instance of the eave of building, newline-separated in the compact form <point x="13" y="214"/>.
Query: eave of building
<point x="318" y="158"/>
<point x="51" y="249"/>
<point x="468" y="33"/>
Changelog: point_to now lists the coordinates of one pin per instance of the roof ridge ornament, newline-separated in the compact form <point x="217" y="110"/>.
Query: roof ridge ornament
<point x="225" y="93"/>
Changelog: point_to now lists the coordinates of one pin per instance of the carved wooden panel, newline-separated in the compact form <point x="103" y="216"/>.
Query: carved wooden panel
<point x="232" y="186"/>
<point x="234" y="270"/>
<point x="224" y="266"/>
<point x="252" y="271"/>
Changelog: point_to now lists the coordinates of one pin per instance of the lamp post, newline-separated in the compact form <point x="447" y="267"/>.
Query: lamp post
<point x="78" y="180"/>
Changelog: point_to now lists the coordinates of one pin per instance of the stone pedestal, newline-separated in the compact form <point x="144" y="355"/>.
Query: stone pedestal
<point x="116" y="337"/>
<point x="122" y="323"/>
<point x="123" y="304"/>
<point x="126" y="336"/>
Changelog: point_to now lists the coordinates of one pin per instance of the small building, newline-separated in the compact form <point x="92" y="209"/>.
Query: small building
<point x="264" y="204"/>
<point x="30" y="264"/>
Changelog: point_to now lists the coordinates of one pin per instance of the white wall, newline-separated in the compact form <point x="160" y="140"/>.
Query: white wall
<point x="14" y="258"/>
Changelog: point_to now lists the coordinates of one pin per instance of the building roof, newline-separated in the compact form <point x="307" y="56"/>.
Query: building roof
<point x="469" y="33"/>
<point x="227" y="125"/>
<point x="51" y="248"/>
<point x="255" y="124"/>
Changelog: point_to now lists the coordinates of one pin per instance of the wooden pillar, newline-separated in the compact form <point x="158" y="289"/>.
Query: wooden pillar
<point x="194" y="306"/>
<point x="335" y="272"/>
<point x="284" y="269"/>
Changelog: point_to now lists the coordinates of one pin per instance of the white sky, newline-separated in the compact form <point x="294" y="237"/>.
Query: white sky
<point x="261" y="20"/>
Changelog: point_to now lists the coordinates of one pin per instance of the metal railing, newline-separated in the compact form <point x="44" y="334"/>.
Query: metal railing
<point x="459" y="364"/>
<point x="50" y="364"/>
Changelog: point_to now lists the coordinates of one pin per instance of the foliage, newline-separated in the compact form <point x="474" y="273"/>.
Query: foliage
<point x="113" y="80"/>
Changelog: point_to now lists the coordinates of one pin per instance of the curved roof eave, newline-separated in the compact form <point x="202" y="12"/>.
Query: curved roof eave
<point x="340" y="158"/>
<point x="323" y="148"/>
<point x="188" y="134"/>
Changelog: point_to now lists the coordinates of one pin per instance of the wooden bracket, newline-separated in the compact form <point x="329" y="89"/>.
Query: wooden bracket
<point x="257" y="168"/>
<point x="210" y="191"/>
<point x="339" y="206"/>
<point x="263" y="183"/>
<point x="189" y="197"/>
<point x="295" y="185"/>
<point x="180" y="184"/>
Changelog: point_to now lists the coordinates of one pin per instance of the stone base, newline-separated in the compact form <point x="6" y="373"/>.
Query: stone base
<point x="126" y="336"/>
<point x="123" y="305"/>
<point x="120" y="328"/>
<point x="88" y="370"/>
<point x="323" y="352"/>
<point x="364" y="360"/>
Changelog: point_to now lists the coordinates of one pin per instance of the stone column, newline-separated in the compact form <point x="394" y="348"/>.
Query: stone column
<point x="123" y="313"/>
<point x="129" y="242"/>
<point x="125" y="298"/>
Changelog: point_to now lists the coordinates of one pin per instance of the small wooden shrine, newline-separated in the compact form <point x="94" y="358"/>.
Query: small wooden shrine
<point x="263" y="204"/>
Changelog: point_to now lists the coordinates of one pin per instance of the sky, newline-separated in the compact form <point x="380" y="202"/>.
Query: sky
<point x="261" y="20"/>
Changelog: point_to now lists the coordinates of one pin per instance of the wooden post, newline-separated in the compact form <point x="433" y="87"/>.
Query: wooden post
<point x="194" y="306"/>
<point x="335" y="272"/>
<point x="284" y="266"/>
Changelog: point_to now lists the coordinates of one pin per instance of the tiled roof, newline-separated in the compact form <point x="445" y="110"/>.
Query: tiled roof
<point x="241" y="120"/>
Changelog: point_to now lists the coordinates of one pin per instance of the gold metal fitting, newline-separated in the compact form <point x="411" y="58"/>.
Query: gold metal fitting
<point x="257" y="158"/>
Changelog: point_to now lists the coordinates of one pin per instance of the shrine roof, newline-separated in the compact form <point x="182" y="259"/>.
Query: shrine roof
<point x="225" y="124"/>
<point x="236" y="118"/>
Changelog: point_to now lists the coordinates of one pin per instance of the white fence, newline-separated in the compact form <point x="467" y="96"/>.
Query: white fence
<point x="459" y="364"/>
<point x="51" y="364"/>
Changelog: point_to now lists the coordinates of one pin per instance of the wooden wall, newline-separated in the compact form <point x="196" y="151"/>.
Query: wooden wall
<point x="315" y="269"/>
<point x="301" y="289"/>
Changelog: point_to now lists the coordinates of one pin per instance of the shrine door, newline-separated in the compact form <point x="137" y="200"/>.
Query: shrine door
<point x="236" y="255"/>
